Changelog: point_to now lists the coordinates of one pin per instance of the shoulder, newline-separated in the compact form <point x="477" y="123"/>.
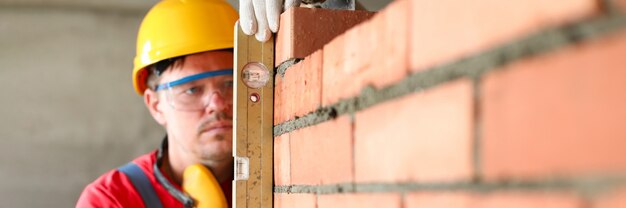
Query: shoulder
<point x="113" y="189"/>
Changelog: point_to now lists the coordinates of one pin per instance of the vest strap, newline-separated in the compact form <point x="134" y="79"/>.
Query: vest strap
<point x="142" y="185"/>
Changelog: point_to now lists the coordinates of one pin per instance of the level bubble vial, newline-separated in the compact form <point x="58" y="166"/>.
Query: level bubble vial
<point x="255" y="75"/>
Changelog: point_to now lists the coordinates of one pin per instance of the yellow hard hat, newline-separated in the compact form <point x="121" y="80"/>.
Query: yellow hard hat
<point x="175" y="28"/>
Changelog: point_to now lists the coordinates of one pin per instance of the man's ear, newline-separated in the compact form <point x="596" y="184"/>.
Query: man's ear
<point x="151" y="99"/>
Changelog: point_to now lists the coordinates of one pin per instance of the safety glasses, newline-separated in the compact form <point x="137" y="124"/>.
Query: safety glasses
<point x="195" y="92"/>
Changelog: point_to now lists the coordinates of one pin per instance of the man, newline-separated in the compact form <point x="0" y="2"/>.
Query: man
<point x="183" y="70"/>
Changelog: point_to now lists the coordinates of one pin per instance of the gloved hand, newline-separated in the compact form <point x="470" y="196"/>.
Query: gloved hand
<point x="259" y="17"/>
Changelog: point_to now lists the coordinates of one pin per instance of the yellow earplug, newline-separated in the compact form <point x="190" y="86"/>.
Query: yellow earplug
<point x="202" y="186"/>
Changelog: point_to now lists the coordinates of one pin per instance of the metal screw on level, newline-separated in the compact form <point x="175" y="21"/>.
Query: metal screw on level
<point x="254" y="97"/>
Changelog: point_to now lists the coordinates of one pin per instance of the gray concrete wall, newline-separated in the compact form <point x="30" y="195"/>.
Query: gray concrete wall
<point x="68" y="112"/>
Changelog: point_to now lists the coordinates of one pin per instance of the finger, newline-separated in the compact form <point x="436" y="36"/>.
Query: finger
<point x="247" y="19"/>
<point x="292" y="3"/>
<point x="263" y="35"/>
<point x="263" y="32"/>
<point x="273" y="13"/>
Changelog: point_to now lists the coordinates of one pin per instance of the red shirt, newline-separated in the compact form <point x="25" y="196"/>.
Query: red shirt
<point x="114" y="188"/>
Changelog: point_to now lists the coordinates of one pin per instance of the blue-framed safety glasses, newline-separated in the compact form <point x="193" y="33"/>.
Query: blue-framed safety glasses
<point x="195" y="92"/>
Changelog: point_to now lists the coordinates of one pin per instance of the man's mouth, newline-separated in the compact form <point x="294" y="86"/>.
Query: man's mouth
<point x="218" y="126"/>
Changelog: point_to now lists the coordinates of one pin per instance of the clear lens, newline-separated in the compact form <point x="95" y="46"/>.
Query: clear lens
<point x="198" y="94"/>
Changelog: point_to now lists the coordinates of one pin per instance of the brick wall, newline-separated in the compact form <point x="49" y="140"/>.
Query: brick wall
<point x="458" y="104"/>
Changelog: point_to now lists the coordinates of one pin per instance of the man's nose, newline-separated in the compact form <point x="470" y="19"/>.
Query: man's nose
<point x="217" y="102"/>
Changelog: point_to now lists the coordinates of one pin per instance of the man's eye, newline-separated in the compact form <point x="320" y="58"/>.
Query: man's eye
<point x="229" y="83"/>
<point x="192" y="90"/>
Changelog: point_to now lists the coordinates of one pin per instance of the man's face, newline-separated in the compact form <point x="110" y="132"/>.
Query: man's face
<point x="204" y="134"/>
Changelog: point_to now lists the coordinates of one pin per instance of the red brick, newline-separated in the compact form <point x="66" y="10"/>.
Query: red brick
<point x="524" y="200"/>
<point x="299" y="91"/>
<point x="613" y="199"/>
<point x="557" y="114"/>
<point x="305" y="81"/>
<point x="440" y="200"/>
<point x="495" y="200"/>
<point x="438" y="37"/>
<point x="361" y="200"/>
<point x="420" y="137"/>
<point x="294" y="200"/>
<point x="280" y="101"/>
<point x="374" y="52"/>
<point x="334" y="85"/>
<point x="322" y="154"/>
<point x="282" y="164"/>
<point x="391" y="62"/>
<point x="305" y="30"/>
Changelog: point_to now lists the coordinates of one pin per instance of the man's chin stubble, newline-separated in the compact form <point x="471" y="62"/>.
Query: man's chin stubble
<point x="219" y="137"/>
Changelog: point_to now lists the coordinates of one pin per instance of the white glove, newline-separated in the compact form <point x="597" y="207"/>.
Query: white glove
<point x="258" y="17"/>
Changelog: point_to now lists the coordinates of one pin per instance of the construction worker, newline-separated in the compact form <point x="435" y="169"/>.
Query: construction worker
<point x="183" y="70"/>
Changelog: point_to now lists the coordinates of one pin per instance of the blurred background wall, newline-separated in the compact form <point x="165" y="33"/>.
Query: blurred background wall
<point x="68" y="112"/>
